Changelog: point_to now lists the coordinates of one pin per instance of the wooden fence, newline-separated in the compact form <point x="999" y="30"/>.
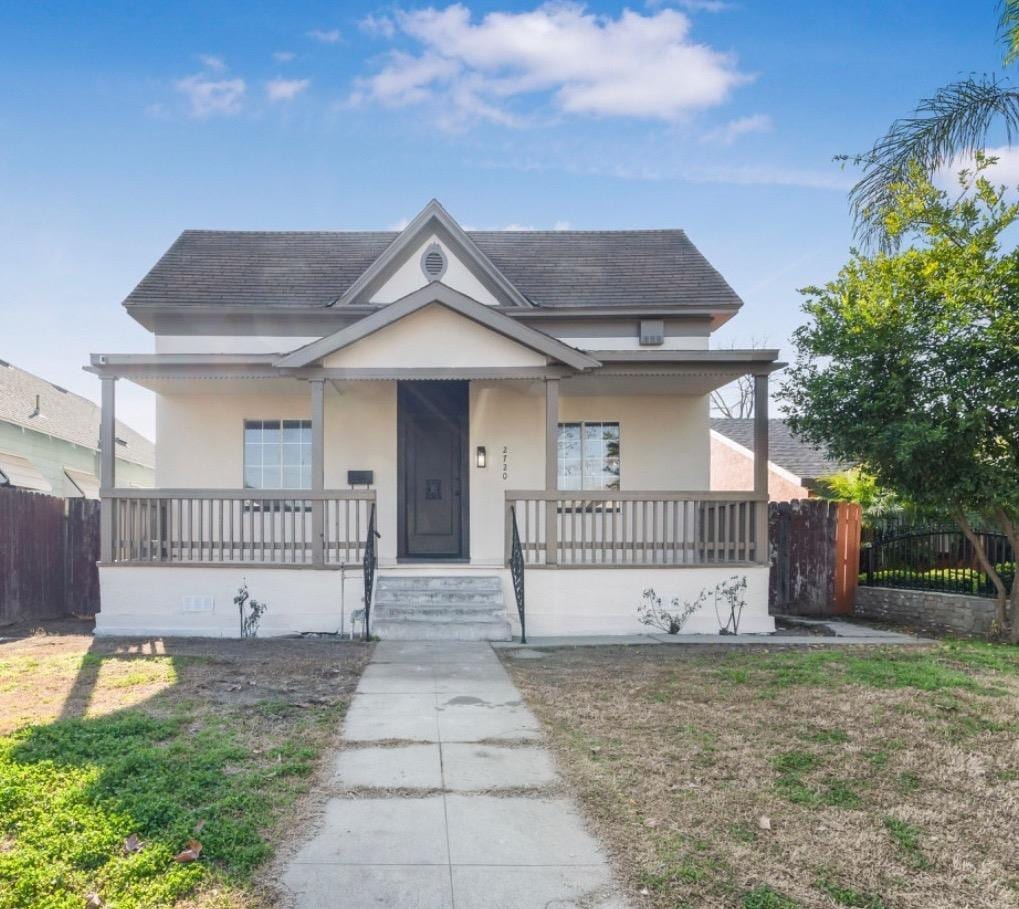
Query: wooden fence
<point x="48" y="553"/>
<point x="815" y="554"/>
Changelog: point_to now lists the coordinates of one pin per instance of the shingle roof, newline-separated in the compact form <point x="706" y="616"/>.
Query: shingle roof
<point x="63" y="414"/>
<point x="784" y="449"/>
<point x="551" y="268"/>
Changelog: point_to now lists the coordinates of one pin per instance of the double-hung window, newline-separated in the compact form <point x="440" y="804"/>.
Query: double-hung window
<point x="588" y="456"/>
<point x="277" y="454"/>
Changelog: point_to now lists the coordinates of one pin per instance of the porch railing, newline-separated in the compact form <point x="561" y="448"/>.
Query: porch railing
<point x="612" y="528"/>
<point x="246" y="526"/>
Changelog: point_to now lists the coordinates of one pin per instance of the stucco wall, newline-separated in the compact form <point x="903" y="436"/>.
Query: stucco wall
<point x="410" y="277"/>
<point x="663" y="441"/>
<point x="152" y="600"/>
<point x="433" y="338"/>
<point x="51" y="455"/>
<point x="731" y="470"/>
<point x="942" y="613"/>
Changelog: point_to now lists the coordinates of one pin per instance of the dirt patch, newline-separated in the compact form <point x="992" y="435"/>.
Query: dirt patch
<point x="865" y="777"/>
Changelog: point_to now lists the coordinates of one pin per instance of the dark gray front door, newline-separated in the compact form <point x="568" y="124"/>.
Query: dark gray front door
<point x="432" y="469"/>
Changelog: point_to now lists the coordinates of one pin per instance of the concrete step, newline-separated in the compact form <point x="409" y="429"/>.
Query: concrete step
<point x="431" y="631"/>
<point x="437" y="596"/>
<point x="440" y="608"/>
<point x="434" y="609"/>
<point x="441" y="582"/>
<point x="443" y="617"/>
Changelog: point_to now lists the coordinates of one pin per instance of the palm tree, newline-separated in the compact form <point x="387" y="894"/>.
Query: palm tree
<point x="955" y="121"/>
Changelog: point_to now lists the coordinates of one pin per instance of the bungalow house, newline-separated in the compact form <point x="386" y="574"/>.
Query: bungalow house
<point x="49" y="439"/>
<point x="483" y="415"/>
<point x="795" y="467"/>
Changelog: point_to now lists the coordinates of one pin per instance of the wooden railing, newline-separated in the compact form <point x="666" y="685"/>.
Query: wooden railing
<point x="592" y="529"/>
<point x="245" y="526"/>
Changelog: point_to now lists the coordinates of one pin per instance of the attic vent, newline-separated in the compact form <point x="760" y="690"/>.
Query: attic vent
<point x="652" y="332"/>
<point x="433" y="262"/>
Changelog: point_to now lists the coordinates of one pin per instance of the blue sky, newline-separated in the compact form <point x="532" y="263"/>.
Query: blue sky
<point x="122" y="123"/>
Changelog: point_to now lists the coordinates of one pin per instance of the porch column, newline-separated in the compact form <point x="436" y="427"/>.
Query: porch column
<point x="551" y="469"/>
<point x="317" y="470"/>
<point x="107" y="466"/>
<point x="761" y="466"/>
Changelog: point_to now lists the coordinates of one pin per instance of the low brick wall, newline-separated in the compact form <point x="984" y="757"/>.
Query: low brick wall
<point x="944" y="613"/>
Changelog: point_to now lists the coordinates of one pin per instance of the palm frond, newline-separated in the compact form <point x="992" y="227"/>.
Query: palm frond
<point x="954" y="122"/>
<point x="1008" y="30"/>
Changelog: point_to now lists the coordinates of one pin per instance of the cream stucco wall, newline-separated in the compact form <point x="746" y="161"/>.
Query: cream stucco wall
<point x="410" y="277"/>
<point x="663" y="442"/>
<point x="433" y="338"/>
<point x="162" y="599"/>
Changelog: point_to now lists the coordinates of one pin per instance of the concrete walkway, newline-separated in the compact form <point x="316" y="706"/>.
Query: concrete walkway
<point x="445" y="797"/>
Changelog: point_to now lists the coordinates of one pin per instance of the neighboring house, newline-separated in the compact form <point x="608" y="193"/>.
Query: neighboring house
<point x="49" y="439"/>
<point x="451" y="383"/>
<point x="794" y="466"/>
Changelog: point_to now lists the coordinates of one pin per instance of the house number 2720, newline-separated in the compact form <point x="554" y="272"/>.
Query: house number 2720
<point x="505" y="462"/>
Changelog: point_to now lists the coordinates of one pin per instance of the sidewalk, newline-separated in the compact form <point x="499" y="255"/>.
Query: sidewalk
<point x="445" y="797"/>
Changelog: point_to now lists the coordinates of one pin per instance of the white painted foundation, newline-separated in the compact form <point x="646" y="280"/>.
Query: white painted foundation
<point x="154" y="600"/>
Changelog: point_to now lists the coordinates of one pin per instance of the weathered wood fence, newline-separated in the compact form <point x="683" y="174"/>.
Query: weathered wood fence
<point x="815" y="556"/>
<point x="48" y="553"/>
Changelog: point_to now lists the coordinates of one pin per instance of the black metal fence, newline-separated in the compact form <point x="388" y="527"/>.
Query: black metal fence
<point x="935" y="558"/>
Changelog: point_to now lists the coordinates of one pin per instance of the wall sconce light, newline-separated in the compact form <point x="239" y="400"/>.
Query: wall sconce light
<point x="482" y="456"/>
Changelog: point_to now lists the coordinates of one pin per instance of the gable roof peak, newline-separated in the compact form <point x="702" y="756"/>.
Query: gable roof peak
<point x="455" y="236"/>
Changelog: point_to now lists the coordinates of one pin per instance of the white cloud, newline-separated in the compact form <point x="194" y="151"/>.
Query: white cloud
<point x="285" y="89"/>
<point x="208" y="96"/>
<point x="729" y="132"/>
<point x="631" y="65"/>
<point x="210" y="61"/>
<point x="283" y="56"/>
<point x="382" y="26"/>
<point x="325" y="36"/>
<point x="1005" y="171"/>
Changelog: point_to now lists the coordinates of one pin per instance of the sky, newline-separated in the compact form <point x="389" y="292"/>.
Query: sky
<point x="124" y="123"/>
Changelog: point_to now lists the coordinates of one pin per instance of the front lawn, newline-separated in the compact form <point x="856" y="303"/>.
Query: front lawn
<point x="775" y="779"/>
<point x="115" y="754"/>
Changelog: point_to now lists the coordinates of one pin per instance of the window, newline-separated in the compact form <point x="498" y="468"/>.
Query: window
<point x="277" y="454"/>
<point x="589" y="456"/>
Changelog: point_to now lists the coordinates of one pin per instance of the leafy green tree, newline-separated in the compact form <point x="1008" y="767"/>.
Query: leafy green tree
<point x="856" y="485"/>
<point x="909" y="361"/>
<point x="956" y="120"/>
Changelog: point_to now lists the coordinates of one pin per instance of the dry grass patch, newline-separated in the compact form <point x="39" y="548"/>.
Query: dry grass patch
<point x="872" y="778"/>
<point x="159" y="738"/>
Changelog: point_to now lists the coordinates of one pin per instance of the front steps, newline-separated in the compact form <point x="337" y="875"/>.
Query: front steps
<point x="439" y="608"/>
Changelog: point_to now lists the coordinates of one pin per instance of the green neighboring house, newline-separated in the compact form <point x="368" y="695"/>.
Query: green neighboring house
<point x="49" y="440"/>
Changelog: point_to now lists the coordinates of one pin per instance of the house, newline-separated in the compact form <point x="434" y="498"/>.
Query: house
<point x="794" y="466"/>
<point x="49" y="439"/>
<point x="511" y="411"/>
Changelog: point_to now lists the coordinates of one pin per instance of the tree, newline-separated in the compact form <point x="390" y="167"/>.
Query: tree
<point x="909" y="363"/>
<point x="955" y="121"/>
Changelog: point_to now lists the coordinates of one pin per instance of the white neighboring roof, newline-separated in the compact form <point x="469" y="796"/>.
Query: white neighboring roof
<point x="17" y="470"/>
<point x="86" y="483"/>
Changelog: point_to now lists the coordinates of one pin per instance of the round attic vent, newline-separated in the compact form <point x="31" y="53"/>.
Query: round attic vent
<point x="433" y="262"/>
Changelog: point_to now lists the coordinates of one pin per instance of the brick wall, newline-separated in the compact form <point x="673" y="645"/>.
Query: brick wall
<point x="944" y="613"/>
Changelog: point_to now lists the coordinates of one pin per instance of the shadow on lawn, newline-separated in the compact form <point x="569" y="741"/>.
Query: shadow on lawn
<point x="225" y="743"/>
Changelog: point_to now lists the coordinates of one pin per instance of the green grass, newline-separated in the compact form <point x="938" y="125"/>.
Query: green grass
<point x="73" y="790"/>
<point x="765" y="898"/>
<point x="906" y="837"/>
<point x="849" y="896"/>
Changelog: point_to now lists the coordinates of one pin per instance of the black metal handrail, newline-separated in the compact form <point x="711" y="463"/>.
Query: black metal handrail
<point x="516" y="564"/>
<point x="370" y="563"/>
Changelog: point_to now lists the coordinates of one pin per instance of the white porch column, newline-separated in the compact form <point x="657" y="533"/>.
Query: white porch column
<point x="551" y="469"/>
<point x="317" y="470"/>
<point x="107" y="466"/>
<point x="761" y="465"/>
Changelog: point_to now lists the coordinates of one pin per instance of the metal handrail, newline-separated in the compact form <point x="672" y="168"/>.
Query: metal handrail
<point x="516" y="564"/>
<point x="370" y="562"/>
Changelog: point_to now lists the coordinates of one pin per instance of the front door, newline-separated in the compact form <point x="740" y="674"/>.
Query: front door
<point x="432" y="469"/>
